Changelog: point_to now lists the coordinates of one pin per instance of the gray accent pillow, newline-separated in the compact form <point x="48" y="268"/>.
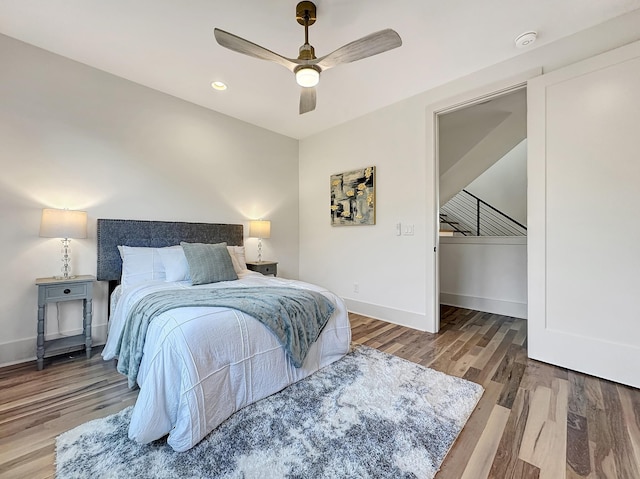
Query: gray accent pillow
<point x="208" y="263"/>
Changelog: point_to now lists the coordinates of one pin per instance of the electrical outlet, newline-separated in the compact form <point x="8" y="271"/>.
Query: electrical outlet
<point x="356" y="288"/>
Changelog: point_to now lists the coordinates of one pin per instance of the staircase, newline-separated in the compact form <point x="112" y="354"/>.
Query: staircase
<point x="449" y="227"/>
<point x="467" y="215"/>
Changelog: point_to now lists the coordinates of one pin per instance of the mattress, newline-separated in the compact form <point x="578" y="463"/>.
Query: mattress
<point x="201" y="364"/>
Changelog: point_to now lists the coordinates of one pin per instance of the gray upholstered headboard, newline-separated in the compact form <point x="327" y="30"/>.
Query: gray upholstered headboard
<point x="154" y="234"/>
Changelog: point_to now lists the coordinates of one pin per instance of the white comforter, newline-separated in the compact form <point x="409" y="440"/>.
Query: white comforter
<point x="201" y="364"/>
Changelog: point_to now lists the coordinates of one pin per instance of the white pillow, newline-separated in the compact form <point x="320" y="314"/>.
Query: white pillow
<point x="175" y="263"/>
<point x="237" y="252"/>
<point x="140" y="264"/>
<point x="234" y="260"/>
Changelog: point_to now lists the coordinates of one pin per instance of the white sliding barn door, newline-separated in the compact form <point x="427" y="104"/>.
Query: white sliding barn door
<point x="584" y="216"/>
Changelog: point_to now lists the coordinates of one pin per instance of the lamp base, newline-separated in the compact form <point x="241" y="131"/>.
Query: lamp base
<point x="66" y="260"/>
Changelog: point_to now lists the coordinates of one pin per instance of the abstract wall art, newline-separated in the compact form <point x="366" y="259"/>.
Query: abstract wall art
<point x="353" y="197"/>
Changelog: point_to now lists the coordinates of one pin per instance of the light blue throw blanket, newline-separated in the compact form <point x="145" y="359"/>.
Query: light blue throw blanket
<point x="295" y="316"/>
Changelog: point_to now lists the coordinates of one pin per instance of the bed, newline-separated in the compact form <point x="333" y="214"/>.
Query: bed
<point x="199" y="364"/>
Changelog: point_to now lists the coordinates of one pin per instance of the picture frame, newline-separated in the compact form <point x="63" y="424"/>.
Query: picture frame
<point x="353" y="197"/>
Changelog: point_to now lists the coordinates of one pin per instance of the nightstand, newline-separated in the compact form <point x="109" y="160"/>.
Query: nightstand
<point x="54" y="290"/>
<point x="264" y="267"/>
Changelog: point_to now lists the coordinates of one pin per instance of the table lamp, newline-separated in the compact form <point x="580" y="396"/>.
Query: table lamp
<point x="259" y="229"/>
<point x="64" y="224"/>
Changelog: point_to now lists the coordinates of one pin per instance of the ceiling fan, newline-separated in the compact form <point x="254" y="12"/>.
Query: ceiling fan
<point x="307" y="67"/>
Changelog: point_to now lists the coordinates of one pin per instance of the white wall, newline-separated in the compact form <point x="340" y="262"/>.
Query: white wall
<point x="483" y="155"/>
<point x="396" y="274"/>
<point x="504" y="185"/>
<point x="485" y="274"/>
<point x="76" y="137"/>
<point x="391" y="281"/>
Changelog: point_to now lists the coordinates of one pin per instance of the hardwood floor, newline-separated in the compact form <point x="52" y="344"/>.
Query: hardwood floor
<point x="533" y="421"/>
<point x="36" y="406"/>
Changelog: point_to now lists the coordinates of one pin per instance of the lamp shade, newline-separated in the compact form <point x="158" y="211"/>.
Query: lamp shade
<point x="63" y="223"/>
<point x="260" y="229"/>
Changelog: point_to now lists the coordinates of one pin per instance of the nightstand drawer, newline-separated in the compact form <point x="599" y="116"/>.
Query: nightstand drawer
<point x="65" y="291"/>
<point x="264" y="267"/>
<point x="267" y="269"/>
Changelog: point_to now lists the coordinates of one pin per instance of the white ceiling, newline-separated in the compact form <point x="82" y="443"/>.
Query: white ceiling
<point x="168" y="45"/>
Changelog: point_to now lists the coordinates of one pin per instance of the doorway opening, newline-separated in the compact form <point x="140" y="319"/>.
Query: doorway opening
<point x="480" y="142"/>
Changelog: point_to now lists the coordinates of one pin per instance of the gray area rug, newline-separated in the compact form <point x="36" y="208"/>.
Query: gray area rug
<point x="369" y="415"/>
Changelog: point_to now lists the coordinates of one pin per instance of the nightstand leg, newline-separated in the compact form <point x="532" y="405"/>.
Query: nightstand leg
<point x="87" y="325"/>
<point x="40" y="342"/>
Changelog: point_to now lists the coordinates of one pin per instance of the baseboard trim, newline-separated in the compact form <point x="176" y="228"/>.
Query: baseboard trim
<point x="23" y="350"/>
<point x="390" y="315"/>
<point x="496" y="306"/>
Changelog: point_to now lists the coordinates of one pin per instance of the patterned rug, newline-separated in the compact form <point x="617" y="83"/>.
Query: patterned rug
<point x="369" y="415"/>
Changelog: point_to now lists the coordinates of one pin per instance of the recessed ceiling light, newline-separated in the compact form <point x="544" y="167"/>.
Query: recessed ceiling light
<point x="218" y="85"/>
<point x="526" y="39"/>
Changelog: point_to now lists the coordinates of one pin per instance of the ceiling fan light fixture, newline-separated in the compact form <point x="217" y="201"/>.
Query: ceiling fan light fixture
<point x="307" y="77"/>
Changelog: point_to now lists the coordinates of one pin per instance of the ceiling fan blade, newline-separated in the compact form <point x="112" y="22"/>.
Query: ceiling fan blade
<point x="368" y="46"/>
<point x="307" y="99"/>
<point x="240" y="45"/>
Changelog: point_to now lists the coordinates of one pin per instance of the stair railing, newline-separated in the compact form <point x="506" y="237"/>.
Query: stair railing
<point x="480" y="203"/>
<point x="465" y="213"/>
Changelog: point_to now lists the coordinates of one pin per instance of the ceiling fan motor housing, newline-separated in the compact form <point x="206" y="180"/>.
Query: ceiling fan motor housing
<point x="307" y="52"/>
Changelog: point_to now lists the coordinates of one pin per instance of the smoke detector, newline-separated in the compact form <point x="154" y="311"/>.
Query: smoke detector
<point x="526" y="39"/>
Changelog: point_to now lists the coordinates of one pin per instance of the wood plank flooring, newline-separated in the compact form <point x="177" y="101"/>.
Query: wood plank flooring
<point x="533" y="421"/>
